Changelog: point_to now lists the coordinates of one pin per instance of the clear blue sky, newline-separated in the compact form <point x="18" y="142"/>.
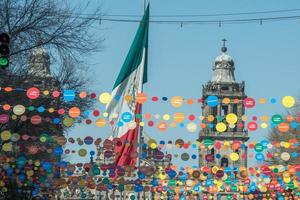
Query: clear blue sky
<point x="180" y="58"/>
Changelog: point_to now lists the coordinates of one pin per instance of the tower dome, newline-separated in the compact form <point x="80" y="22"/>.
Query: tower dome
<point x="39" y="63"/>
<point x="223" y="69"/>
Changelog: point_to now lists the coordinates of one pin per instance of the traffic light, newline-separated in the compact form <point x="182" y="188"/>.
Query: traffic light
<point x="4" y="50"/>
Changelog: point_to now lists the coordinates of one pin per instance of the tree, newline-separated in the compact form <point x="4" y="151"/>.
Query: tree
<point x="292" y="137"/>
<point x="57" y="28"/>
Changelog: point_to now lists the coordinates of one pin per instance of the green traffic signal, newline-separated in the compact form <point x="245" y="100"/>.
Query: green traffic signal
<point x="4" y="50"/>
<point x="4" y="62"/>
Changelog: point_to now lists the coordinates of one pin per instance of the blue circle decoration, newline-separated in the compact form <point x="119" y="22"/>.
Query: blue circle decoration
<point x="194" y="156"/>
<point x="273" y="100"/>
<point x="46" y="165"/>
<point x="69" y="95"/>
<point x="88" y="140"/>
<point x="56" y="120"/>
<point x="126" y="116"/>
<point x="92" y="153"/>
<point x="86" y="113"/>
<point x="120" y="124"/>
<point x="294" y="124"/>
<point x="212" y="101"/>
<point x="117" y="97"/>
<point x="165" y="98"/>
<point x="294" y="154"/>
<point x="58" y="151"/>
<point x="41" y="109"/>
<point x="259" y="156"/>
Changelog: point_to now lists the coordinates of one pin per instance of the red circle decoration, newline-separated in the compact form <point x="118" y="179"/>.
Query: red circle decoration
<point x="61" y="111"/>
<point x="36" y="119"/>
<point x="252" y="126"/>
<point x="192" y="117"/>
<point x="249" y="102"/>
<point x="96" y="113"/>
<point x="33" y="93"/>
<point x="154" y="99"/>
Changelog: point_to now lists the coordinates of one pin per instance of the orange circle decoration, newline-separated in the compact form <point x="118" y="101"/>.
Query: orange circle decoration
<point x="289" y="118"/>
<point x="147" y="116"/>
<point x="283" y="127"/>
<point x="176" y="101"/>
<point x="141" y="98"/>
<point x="74" y="112"/>
<point x="262" y="100"/>
<point x="226" y="100"/>
<point x="6" y="107"/>
<point x="210" y="118"/>
<point x="82" y="94"/>
<point x="189" y="102"/>
<point x="162" y="126"/>
<point x="127" y="98"/>
<point x="33" y="93"/>
<point x="100" y="122"/>
<point x="178" y="117"/>
<point x="8" y="89"/>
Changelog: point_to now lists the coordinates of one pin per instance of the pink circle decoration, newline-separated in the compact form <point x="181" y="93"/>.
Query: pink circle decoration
<point x="4" y="118"/>
<point x="55" y="94"/>
<point x="249" y="102"/>
<point x="33" y="93"/>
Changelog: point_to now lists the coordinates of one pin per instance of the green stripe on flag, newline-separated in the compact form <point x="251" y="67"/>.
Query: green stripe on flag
<point x="135" y="54"/>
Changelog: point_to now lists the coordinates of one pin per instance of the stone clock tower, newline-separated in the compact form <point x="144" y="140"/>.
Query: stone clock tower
<point x="229" y="94"/>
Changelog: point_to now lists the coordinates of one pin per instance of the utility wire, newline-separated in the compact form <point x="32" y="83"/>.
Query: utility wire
<point x="203" y="15"/>
<point x="223" y="21"/>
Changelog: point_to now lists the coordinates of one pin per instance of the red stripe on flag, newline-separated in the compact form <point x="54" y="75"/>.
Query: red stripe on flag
<point x="124" y="151"/>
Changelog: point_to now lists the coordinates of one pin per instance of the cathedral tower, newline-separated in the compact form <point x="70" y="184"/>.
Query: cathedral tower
<point x="228" y="95"/>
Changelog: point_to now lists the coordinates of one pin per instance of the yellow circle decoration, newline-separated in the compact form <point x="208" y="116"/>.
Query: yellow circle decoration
<point x="288" y="101"/>
<point x="166" y="117"/>
<point x="231" y="118"/>
<point x="68" y="121"/>
<point x="82" y="152"/>
<point x="5" y="135"/>
<point x="43" y="139"/>
<point x="176" y="101"/>
<point x="7" y="147"/>
<point x="234" y="156"/>
<point x="105" y="98"/>
<point x="221" y="127"/>
<point x="264" y="125"/>
<point x="46" y="92"/>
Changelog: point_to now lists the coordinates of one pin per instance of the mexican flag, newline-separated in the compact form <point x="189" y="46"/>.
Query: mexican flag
<point x="129" y="83"/>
